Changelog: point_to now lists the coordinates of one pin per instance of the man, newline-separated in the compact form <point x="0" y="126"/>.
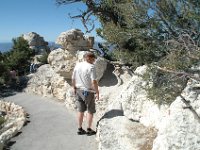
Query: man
<point x="85" y="87"/>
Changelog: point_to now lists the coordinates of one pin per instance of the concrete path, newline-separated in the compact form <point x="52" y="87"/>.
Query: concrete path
<point x="51" y="127"/>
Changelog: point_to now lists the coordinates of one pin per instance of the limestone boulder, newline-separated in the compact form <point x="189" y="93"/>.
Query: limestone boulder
<point x="62" y="62"/>
<point x="101" y="66"/>
<point x="135" y="104"/>
<point x="47" y="82"/>
<point x="74" y="40"/>
<point x="36" y="42"/>
<point x="15" y="117"/>
<point x="179" y="130"/>
<point x="119" y="133"/>
<point x="176" y="125"/>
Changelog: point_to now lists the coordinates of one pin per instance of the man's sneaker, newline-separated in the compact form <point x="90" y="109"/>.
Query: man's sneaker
<point x="90" y="132"/>
<point x="81" y="131"/>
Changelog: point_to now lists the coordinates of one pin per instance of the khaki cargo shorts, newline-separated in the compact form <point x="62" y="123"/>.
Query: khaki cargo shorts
<point x="85" y="101"/>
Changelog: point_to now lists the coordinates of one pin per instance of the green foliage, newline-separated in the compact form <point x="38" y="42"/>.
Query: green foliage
<point x="163" y="87"/>
<point x="175" y="69"/>
<point x="20" y="54"/>
<point x="18" y="57"/>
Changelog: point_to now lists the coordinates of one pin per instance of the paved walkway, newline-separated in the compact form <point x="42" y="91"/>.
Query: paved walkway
<point x="51" y="127"/>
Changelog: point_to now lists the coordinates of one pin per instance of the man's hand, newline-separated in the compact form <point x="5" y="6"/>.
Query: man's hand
<point x="74" y="86"/>
<point x="97" y="96"/>
<point x="74" y="90"/>
<point x="95" y="86"/>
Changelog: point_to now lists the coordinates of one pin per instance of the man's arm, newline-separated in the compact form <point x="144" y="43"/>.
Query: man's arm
<point x="74" y="85"/>
<point x="95" y="86"/>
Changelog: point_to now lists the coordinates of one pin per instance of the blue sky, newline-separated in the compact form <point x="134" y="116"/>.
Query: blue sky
<point x="44" y="17"/>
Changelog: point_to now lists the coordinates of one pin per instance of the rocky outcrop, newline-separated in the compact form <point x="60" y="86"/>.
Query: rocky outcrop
<point x="36" y="42"/>
<point x="120" y="133"/>
<point x="175" y="125"/>
<point x="15" y="117"/>
<point x="54" y="79"/>
<point x="63" y="62"/>
<point x="47" y="82"/>
<point x="74" y="40"/>
<point x="179" y="130"/>
<point x="129" y="108"/>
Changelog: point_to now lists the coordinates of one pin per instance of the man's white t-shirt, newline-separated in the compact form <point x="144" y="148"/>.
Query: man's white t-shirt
<point x="84" y="73"/>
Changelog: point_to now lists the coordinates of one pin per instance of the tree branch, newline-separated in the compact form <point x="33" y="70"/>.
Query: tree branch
<point x="187" y="103"/>
<point x="178" y="73"/>
<point x="66" y="2"/>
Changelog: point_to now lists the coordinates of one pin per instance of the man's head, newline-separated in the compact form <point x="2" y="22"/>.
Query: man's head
<point x="90" y="57"/>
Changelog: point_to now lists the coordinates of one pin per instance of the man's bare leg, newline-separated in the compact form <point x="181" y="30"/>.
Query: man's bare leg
<point x="89" y="119"/>
<point x="81" y="131"/>
<point x="80" y="119"/>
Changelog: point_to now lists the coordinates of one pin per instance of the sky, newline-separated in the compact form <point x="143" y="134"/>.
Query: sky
<point x="44" y="17"/>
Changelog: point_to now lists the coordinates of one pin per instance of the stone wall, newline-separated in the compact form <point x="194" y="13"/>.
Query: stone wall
<point x="15" y="117"/>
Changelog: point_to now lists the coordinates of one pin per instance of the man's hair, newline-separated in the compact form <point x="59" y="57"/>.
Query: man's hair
<point x="89" y="55"/>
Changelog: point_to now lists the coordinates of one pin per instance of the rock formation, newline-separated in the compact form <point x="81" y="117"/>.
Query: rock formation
<point x="15" y="117"/>
<point x="180" y="129"/>
<point x="75" y="40"/>
<point x="62" y="62"/>
<point x="47" y="82"/>
<point x="53" y="80"/>
<point x="36" y="42"/>
<point x="169" y="127"/>
<point x="122" y="110"/>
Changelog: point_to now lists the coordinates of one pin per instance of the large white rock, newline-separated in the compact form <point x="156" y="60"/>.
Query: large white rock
<point x="74" y="40"/>
<point x="48" y="83"/>
<point x="135" y="104"/>
<point x="14" y="120"/>
<point x="36" y="42"/>
<point x="62" y="62"/>
<point x="119" y="133"/>
<point x="180" y="129"/>
<point x="177" y="124"/>
<point x="130" y="98"/>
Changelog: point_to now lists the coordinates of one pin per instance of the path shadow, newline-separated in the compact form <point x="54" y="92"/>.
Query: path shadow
<point x="12" y="88"/>
<point x="109" y="78"/>
<point x="8" y="145"/>
<point x="6" y="91"/>
<point x="111" y="114"/>
<point x="18" y="133"/>
<point x="26" y="123"/>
